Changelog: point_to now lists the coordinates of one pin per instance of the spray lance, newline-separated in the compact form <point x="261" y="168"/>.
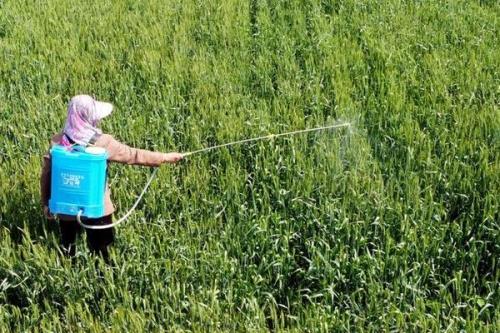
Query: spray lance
<point x="80" y="177"/>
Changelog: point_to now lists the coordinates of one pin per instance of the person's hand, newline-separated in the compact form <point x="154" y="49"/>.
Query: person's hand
<point x="172" y="157"/>
<point x="47" y="214"/>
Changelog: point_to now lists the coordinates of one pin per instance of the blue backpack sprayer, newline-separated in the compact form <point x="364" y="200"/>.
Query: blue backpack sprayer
<point x="78" y="181"/>
<point x="79" y="178"/>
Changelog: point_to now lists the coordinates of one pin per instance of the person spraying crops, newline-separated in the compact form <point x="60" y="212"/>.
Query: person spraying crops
<point x="76" y="165"/>
<point x="73" y="181"/>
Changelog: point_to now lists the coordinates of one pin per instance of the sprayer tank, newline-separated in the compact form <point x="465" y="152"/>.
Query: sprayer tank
<point x="78" y="181"/>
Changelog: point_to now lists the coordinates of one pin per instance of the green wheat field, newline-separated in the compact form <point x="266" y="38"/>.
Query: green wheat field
<point x="391" y="225"/>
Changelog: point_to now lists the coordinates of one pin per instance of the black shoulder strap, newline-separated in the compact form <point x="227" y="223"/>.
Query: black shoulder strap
<point x="69" y="138"/>
<point x="94" y="138"/>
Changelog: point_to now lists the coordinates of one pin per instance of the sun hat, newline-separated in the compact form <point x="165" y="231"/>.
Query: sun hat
<point x="92" y="107"/>
<point x="84" y="114"/>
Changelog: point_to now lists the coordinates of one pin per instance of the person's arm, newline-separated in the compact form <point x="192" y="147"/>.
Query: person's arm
<point x="121" y="153"/>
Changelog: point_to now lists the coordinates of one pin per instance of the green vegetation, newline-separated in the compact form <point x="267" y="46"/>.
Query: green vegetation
<point x="393" y="226"/>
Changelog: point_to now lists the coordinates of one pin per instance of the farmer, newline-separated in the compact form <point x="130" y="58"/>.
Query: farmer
<point x="84" y="116"/>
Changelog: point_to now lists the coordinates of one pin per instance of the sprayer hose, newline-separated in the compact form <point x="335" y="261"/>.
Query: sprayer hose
<point x="155" y="171"/>
<point x="124" y="217"/>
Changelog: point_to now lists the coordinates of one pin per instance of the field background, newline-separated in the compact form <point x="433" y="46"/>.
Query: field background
<point x="390" y="226"/>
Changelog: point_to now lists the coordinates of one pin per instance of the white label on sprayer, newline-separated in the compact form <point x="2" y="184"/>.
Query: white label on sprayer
<point x="71" y="180"/>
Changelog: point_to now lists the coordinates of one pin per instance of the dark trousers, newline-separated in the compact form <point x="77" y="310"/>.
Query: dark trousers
<point x="97" y="240"/>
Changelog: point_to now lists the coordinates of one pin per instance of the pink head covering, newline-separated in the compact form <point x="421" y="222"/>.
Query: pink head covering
<point x="84" y="114"/>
